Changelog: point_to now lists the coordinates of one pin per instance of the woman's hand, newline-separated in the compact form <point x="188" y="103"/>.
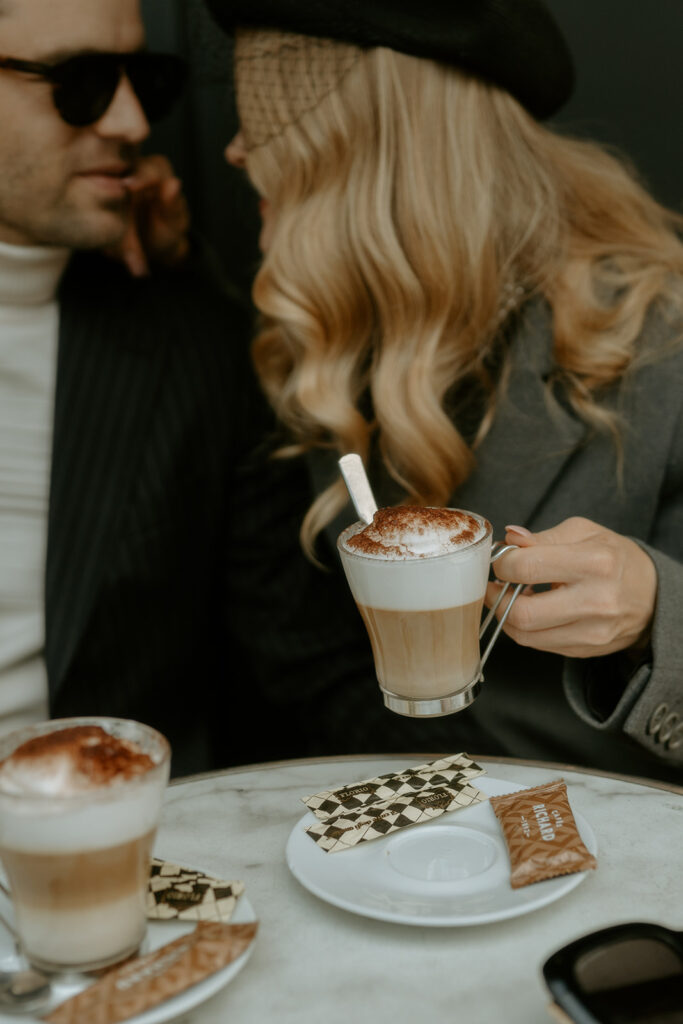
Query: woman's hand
<point x="602" y="592"/>
<point x="159" y="219"/>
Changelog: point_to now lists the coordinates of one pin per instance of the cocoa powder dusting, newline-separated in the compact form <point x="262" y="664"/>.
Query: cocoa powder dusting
<point x="95" y="753"/>
<point x="368" y="546"/>
<point x="390" y="522"/>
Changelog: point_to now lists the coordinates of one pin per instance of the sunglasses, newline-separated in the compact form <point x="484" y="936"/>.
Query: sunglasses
<point x="627" y="974"/>
<point x="84" y="86"/>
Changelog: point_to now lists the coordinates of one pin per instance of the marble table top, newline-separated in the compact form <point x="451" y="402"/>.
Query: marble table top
<point x="313" y="962"/>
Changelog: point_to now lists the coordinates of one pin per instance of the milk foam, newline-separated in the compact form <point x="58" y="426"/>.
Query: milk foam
<point x="53" y="775"/>
<point x="419" y="582"/>
<point x="72" y="760"/>
<point x="90" y="824"/>
<point x="407" y="531"/>
<point x="53" y="800"/>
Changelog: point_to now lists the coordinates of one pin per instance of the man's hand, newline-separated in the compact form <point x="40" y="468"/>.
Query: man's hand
<point x="602" y="592"/>
<point x="159" y="220"/>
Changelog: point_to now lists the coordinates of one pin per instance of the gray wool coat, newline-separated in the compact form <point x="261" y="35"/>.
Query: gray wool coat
<point x="538" y="465"/>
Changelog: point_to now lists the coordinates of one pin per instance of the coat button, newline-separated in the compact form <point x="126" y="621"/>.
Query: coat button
<point x="656" y="718"/>
<point x="667" y="727"/>
<point x="676" y="738"/>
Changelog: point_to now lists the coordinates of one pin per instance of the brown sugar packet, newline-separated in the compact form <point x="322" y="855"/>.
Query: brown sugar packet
<point x="381" y="819"/>
<point x="442" y="772"/>
<point x="144" y="982"/>
<point x="175" y="892"/>
<point x="541" y="834"/>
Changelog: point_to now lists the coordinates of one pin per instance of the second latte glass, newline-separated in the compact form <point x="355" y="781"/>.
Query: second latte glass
<point x="423" y="616"/>
<point x="78" y="861"/>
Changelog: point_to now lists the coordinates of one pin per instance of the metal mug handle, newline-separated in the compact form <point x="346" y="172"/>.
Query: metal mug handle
<point x="4" y="921"/>
<point x="498" y="550"/>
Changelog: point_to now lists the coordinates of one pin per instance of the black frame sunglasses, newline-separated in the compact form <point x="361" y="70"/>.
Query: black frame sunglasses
<point x="626" y="974"/>
<point x="84" y="86"/>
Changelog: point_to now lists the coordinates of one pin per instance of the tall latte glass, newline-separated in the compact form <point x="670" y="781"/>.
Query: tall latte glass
<point x="419" y="576"/>
<point x="80" y="800"/>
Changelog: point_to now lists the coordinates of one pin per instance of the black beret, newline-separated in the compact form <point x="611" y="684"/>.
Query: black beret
<point x="515" y="44"/>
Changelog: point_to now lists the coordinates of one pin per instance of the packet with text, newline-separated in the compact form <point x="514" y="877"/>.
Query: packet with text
<point x="146" y="981"/>
<point x="542" y="838"/>
<point x="431" y="775"/>
<point x="188" y="895"/>
<point x="384" y="817"/>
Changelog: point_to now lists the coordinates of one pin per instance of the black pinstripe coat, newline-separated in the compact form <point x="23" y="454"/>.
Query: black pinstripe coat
<point x="176" y="589"/>
<point x="155" y="411"/>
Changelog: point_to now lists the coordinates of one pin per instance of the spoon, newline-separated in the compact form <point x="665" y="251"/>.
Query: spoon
<point x="358" y="486"/>
<point x="25" y="989"/>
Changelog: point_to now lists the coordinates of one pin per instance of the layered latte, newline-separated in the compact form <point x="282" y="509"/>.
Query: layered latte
<point x="79" y="805"/>
<point x="418" y="576"/>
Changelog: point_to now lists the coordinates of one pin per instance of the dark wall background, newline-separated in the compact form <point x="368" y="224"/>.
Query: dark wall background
<point x="629" y="95"/>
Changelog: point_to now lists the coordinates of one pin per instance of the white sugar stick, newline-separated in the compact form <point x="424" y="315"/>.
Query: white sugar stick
<point x="358" y="485"/>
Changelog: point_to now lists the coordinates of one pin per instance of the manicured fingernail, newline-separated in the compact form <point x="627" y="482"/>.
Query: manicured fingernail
<point x="521" y="530"/>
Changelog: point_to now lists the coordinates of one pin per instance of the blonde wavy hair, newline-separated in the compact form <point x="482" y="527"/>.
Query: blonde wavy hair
<point x="404" y="205"/>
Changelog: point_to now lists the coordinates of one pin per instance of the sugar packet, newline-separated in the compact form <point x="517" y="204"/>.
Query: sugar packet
<point x="542" y="838"/>
<point x="146" y="981"/>
<point x="376" y="820"/>
<point x="442" y="772"/>
<point x="177" y="892"/>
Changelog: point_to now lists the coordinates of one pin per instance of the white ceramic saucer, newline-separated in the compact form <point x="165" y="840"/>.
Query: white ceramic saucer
<point x="452" y="871"/>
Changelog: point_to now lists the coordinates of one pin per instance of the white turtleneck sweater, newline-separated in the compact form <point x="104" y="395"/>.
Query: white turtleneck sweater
<point x="29" y="319"/>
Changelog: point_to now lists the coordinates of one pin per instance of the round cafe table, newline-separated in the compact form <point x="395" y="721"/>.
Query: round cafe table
<point x="314" y="962"/>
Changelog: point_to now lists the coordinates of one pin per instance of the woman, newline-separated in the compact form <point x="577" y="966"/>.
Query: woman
<point x="492" y="315"/>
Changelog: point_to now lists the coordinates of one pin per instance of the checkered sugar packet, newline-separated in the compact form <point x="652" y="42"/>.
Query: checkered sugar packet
<point x="442" y="772"/>
<point x="381" y="819"/>
<point x="175" y="892"/>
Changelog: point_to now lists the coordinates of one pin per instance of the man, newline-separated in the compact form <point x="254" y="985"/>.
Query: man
<point x="126" y="404"/>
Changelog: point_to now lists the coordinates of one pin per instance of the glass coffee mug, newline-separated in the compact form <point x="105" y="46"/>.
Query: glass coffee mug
<point x="423" y="617"/>
<point x="78" y="864"/>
